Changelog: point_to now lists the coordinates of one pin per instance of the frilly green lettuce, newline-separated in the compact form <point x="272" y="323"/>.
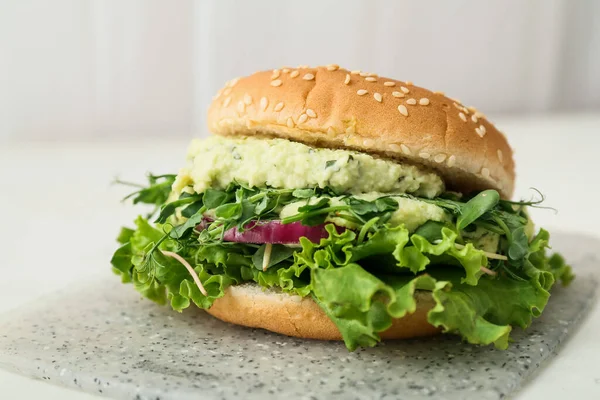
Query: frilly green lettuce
<point x="361" y="283"/>
<point x="411" y="252"/>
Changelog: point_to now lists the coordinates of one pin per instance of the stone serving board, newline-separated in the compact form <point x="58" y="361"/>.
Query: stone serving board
<point x="104" y="339"/>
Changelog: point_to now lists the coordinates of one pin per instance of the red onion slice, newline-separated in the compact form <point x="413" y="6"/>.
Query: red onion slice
<point x="273" y="232"/>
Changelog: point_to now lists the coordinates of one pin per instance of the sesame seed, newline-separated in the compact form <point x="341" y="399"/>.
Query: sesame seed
<point x="462" y="116"/>
<point x="227" y="91"/>
<point x="226" y="102"/>
<point x="465" y="110"/>
<point x="276" y="74"/>
<point x="368" y="142"/>
<point x="278" y="106"/>
<point x="347" y="80"/>
<point x="332" y="67"/>
<point x="485" y="173"/>
<point x="405" y="90"/>
<point x="364" y="74"/>
<point x="370" y="79"/>
<point x="276" y="83"/>
<point x="458" y="107"/>
<point x="233" y="82"/>
<point x="225" y="122"/>
<point x="481" y="131"/>
<point x="403" y="110"/>
<point x="372" y="74"/>
<point x="409" y="83"/>
<point x="302" y="119"/>
<point x="474" y="118"/>
<point x="500" y="156"/>
<point x="451" y="161"/>
<point x="310" y="112"/>
<point x="294" y="73"/>
<point x="264" y="103"/>
<point x="454" y="99"/>
<point x="247" y="99"/>
<point x="424" y="101"/>
<point x="412" y="102"/>
<point x="285" y="70"/>
<point x="439" y="158"/>
<point x="405" y="149"/>
<point x="290" y="122"/>
<point x="241" y="107"/>
<point x="355" y="72"/>
<point x="361" y="92"/>
<point x="389" y="83"/>
<point x="308" y="77"/>
<point x="479" y="114"/>
<point x="397" y="94"/>
<point x="378" y="97"/>
<point x="424" y="155"/>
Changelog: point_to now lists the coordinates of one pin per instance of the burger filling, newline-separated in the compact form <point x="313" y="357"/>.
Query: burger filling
<point x="357" y="233"/>
<point x="216" y="162"/>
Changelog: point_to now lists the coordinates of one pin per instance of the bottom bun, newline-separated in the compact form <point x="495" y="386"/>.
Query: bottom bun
<point x="250" y="305"/>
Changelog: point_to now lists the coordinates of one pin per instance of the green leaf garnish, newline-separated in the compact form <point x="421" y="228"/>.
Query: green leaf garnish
<point x="169" y="209"/>
<point x="279" y="253"/>
<point x="477" y="207"/>
<point x="303" y="193"/>
<point x="192" y="209"/>
<point x="214" y="198"/>
<point x="361" y="278"/>
<point x="430" y="230"/>
<point x="519" y="245"/>
<point x="156" y="193"/>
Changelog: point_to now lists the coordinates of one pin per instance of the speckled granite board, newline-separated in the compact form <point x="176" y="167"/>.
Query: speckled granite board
<point x="103" y="339"/>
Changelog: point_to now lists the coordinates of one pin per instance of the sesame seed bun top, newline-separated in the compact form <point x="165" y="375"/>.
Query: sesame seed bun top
<point x="333" y="107"/>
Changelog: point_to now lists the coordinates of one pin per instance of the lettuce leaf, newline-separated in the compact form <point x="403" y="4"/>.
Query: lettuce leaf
<point x="484" y="314"/>
<point x="163" y="279"/>
<point x="411" y="252"/>
<point x="362" y="305"/>
<point x="547" y="270"/>
<point x="362" y="285"/>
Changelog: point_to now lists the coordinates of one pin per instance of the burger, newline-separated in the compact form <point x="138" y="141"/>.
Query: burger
<point x="334" y="204"/>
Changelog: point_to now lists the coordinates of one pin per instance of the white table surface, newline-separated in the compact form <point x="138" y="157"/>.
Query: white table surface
<point x="61" y="216"/>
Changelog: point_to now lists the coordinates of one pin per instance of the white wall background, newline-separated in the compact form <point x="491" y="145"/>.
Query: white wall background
<point x="89" y="69"/>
